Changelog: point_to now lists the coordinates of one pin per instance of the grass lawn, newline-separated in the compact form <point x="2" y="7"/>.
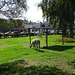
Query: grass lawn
<point x="16" y="58"/>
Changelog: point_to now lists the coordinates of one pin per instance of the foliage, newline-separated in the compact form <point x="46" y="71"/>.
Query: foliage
<point x="61" y="11"/>
<point x="4" y="23"/>
<point x="10" y="23"/>
<point x="66" y="39"/>
<point x="19" y="23"/>
<point x="13" y="8"/>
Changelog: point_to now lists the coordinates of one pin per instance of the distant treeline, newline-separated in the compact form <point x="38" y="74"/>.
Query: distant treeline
<point x="10" y="23"/>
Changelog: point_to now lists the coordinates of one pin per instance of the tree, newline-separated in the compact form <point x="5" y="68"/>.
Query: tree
<point x="5" y="24"/>
<point x="19" y="23"/>
<point x="63" y="10"/>
<point x="12" y="8"/>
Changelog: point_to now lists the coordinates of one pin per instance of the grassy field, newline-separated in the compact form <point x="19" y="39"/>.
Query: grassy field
<point x="16" y="58"/>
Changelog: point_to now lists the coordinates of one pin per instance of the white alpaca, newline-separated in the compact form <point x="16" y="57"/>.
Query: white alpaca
<point x="35" y="43"/>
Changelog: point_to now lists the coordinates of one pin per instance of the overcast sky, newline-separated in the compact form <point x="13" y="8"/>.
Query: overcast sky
<point x="34" y="13"/>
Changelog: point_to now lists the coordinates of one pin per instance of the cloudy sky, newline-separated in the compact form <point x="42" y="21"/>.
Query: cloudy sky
<point x="34" y="13"/>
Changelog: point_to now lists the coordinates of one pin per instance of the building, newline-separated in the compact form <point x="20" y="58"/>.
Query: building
<point x="35" y="26"/>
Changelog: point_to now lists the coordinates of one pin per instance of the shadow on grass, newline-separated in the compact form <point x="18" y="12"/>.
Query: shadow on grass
<point x="18" y="68"/>
<point x="39" y="50"/>
<point x="72" y="63"/>
<point x="58" y="47"/>
<point x="71" y="42"/>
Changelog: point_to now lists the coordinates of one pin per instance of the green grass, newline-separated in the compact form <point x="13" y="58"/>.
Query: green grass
<point x="16" y="58"/>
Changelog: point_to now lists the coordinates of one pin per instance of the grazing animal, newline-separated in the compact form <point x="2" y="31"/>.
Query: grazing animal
<point x="35" y="43"/>
<point x="39" y="34"/>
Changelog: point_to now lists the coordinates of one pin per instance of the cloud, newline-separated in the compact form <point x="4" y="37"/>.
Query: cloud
<point x="33" y="13"/>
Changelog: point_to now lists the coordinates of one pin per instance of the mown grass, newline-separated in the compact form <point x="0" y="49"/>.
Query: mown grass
<point x="16" y="58"/>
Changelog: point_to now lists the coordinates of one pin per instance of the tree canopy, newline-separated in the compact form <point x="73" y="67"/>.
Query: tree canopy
<point x="13" y="8"/>
<point x="62" y="10"/>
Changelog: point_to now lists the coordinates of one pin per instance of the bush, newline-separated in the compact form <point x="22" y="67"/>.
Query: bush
<point x="66" y="39"/>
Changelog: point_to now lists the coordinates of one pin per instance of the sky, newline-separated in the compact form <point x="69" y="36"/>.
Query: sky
<point x="34" y="13"/>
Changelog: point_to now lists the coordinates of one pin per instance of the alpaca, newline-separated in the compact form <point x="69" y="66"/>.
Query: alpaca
<point x="35" y="43"/>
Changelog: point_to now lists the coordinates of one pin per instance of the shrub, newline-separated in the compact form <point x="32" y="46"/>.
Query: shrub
<point x="66" y="39"/>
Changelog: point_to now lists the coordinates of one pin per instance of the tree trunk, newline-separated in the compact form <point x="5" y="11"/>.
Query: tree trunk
<point x="64" y="27"/>
<point x="59" y="26"/>
<point x="71" y="23"/>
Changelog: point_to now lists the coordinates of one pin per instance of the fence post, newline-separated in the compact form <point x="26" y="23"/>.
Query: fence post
<point x="62" y="38"/>
<point x="29" y="35"/>
<point x="46" y="38"/>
